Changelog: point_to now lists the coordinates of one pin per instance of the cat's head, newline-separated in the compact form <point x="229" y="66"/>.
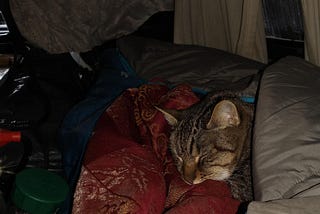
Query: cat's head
<point x="204" y="141"/>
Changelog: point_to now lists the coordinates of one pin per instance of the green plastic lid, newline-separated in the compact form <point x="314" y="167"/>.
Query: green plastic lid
<point x="39" y="191"/>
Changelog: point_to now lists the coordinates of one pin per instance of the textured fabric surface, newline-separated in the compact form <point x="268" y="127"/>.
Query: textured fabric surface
<point x="205" y="68"/>
<point x="307" y="205"/>
<point x="311" y="25"/>
<point x="114" y="77"/>
<point x="235" y="26"/>
<point x="287" y="131"/>
<point x="63" y="26"/>
<point x="128" y="168"/>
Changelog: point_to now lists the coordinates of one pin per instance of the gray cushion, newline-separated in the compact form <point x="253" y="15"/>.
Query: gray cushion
<point x="286" y="141"/>
<point x="201" y="67"/>
<point x="308" y="205"/>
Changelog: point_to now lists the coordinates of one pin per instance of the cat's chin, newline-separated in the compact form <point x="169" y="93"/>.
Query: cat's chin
<point x="223" y="176"/>
<point x="198" y="181"/>
<point x="193" y="182"/>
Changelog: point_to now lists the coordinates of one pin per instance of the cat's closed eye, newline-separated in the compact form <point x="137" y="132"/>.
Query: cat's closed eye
<point x="203" y="160"/>
<point x="179" y="159"/>
<point x="210" y="140"/>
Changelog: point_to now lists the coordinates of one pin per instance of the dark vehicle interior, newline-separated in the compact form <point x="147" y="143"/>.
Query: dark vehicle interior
<point x="55" y="95"/>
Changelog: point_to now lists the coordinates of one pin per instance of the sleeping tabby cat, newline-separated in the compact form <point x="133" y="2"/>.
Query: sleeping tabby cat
<point x="211" y="140"/>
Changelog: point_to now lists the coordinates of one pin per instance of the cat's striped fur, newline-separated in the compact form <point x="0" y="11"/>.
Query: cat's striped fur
<point x="211" y="140"/>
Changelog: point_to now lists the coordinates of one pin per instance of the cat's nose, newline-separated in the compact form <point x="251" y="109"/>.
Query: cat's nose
<point x="189" y="172"/>
<point x="188" y="179"/>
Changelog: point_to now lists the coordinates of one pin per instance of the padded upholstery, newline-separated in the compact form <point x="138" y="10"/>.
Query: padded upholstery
<point x="201" y="67"/>
<point x="286" y="141"/>
<point x="308" y="205"/>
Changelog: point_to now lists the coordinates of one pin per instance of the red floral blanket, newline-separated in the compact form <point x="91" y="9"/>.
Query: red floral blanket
<point x="128" y="168"/>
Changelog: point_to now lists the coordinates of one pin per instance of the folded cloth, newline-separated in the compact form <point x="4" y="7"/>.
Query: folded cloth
<point x="113" y="78"/>
<point x="128" y="168"/>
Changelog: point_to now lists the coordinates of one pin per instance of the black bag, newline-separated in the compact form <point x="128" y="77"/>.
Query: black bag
<point x="21" y="102"/>
<point x="11" y="161"/>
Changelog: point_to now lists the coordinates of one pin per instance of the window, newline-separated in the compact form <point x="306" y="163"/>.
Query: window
<point x="283" y="19"/>
<point x="284" y="28"/>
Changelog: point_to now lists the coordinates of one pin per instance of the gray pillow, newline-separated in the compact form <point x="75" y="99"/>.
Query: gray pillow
<point x="307" y="205"/>
<point x="286" y="140"/>
<point x="201" y="67"/>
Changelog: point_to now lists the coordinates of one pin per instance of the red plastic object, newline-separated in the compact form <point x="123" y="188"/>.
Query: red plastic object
<point x="9" y="136"/>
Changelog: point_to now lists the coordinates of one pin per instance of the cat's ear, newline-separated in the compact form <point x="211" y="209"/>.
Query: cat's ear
<point x="224" y="114"/>
<point x="171" y="115"/>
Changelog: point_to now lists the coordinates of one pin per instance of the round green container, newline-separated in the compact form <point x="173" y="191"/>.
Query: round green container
<point x="38" y="191"/>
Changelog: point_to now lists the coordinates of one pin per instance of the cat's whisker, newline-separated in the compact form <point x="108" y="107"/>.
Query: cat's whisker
<point x="214" y="136"/>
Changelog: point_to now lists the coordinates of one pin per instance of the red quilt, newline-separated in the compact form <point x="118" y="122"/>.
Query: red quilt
<point x="128" y="168"/>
